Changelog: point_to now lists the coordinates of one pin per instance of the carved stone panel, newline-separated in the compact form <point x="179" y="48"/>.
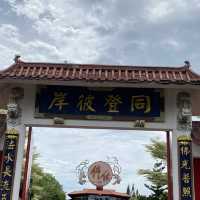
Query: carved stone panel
<point x="184" y="116"/>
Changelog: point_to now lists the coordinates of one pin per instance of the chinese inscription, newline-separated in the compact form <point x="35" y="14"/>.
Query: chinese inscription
<point x="141" y="103"/>
<point x="185" y="168"/>
<point x="8" y="164"/>
<point x="79" y="101"/>
<point x="100" y="173"/>
<point x="86" y="103"/>
<point x="58" y="100"/>
<point x="112" y="103"/>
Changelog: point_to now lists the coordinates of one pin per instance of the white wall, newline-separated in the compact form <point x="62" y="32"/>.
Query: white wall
<point x="28" y="106"/>
<point x="170" y="123"/>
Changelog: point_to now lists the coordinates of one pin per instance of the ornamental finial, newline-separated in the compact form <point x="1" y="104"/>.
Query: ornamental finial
<point x="17" y="58"/>
<point x="187" y="63"/>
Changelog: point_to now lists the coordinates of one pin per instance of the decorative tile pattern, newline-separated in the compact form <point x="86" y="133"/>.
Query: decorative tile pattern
<point x="89" y="72"/>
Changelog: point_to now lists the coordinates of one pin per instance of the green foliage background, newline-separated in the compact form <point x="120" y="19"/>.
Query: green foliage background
<point x="157" y="176"/>
<point x="44" y="186"/>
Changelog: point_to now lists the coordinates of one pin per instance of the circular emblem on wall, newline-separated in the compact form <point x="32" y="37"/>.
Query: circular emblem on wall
<point x="100" y="173"/>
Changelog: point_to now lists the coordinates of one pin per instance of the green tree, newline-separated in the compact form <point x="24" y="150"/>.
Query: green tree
<point x="158" y="175"/>
<point x="134" y="193"/>
<point x="43" y="185"/>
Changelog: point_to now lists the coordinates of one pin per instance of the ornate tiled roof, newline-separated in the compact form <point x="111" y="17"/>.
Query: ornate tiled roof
<point x="99" y="192"/>
<point x="92" y="72"/>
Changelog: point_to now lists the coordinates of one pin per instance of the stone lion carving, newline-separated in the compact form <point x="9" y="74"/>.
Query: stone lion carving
<point x="13" y="108"/>
<point x="184" y="117"/>
<point x="13" y="111"/>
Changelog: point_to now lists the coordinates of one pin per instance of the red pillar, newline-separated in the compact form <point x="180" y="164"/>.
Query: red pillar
<point x="196" y="165"/>
<point x="169" y="167"/>
<point x="27" y="167"/>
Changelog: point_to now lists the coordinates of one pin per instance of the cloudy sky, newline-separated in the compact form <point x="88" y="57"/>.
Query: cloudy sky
<point x="62" y="150"/>
<point x="145" y="32"/>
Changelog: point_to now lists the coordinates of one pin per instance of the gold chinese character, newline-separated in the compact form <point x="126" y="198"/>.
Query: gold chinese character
<point x="58" y="100"/>
<point x="186" y="192"/>
<point x="86" y="103"/>
<point x="8" y="158"/>
<point x="141" y="103"/>
<point x="96" y="171"/>
<point x="185" y="150"/>
<point x="112" y="102"/>
<point x="186" y="178"/>
<point x="5" y="186"/>
<point x="11" y="145"/>
<point x="105" y="176"/>
<point x="3" y="196"/>
<point x="7" y="172"/>
<point x="185" y="164"/>
<point x="99" y="174"/>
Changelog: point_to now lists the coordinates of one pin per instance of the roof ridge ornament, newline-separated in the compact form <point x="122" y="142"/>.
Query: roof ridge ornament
<point x="17" y="58"/>
<point x="99" y="73"/>
<point x="187" y="64"/>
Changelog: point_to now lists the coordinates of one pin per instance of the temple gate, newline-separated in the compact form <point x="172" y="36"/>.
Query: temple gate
<point x="135" y="98"/>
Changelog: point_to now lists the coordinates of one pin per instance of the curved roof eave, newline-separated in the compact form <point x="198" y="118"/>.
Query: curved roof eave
<point x="66" y="73"/>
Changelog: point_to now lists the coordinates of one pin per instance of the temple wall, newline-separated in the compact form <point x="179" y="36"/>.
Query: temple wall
<point x="28" y="106"/>
<point x="170" y="123"/>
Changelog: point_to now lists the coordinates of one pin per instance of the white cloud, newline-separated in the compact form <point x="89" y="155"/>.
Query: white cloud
<point x="31" y="9"/>
<point x="172" y="43"/>
<point x="160" y="10"/>
<point x="12" y="43"/>
<point x="8" y="38"/>
<point x="8" y="31"/>
<point x="69" y="31"/>
<point x="5" y="54"/>
<point x="40" y="50"/>
<point x="112" y="32"/>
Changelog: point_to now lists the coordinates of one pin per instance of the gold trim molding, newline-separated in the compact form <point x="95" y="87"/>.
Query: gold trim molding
<point x="184" y="138"/>
<point x="12" y="131"/>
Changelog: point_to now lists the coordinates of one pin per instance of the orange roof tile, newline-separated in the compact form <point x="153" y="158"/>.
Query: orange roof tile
<point x="92" y="72"/>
